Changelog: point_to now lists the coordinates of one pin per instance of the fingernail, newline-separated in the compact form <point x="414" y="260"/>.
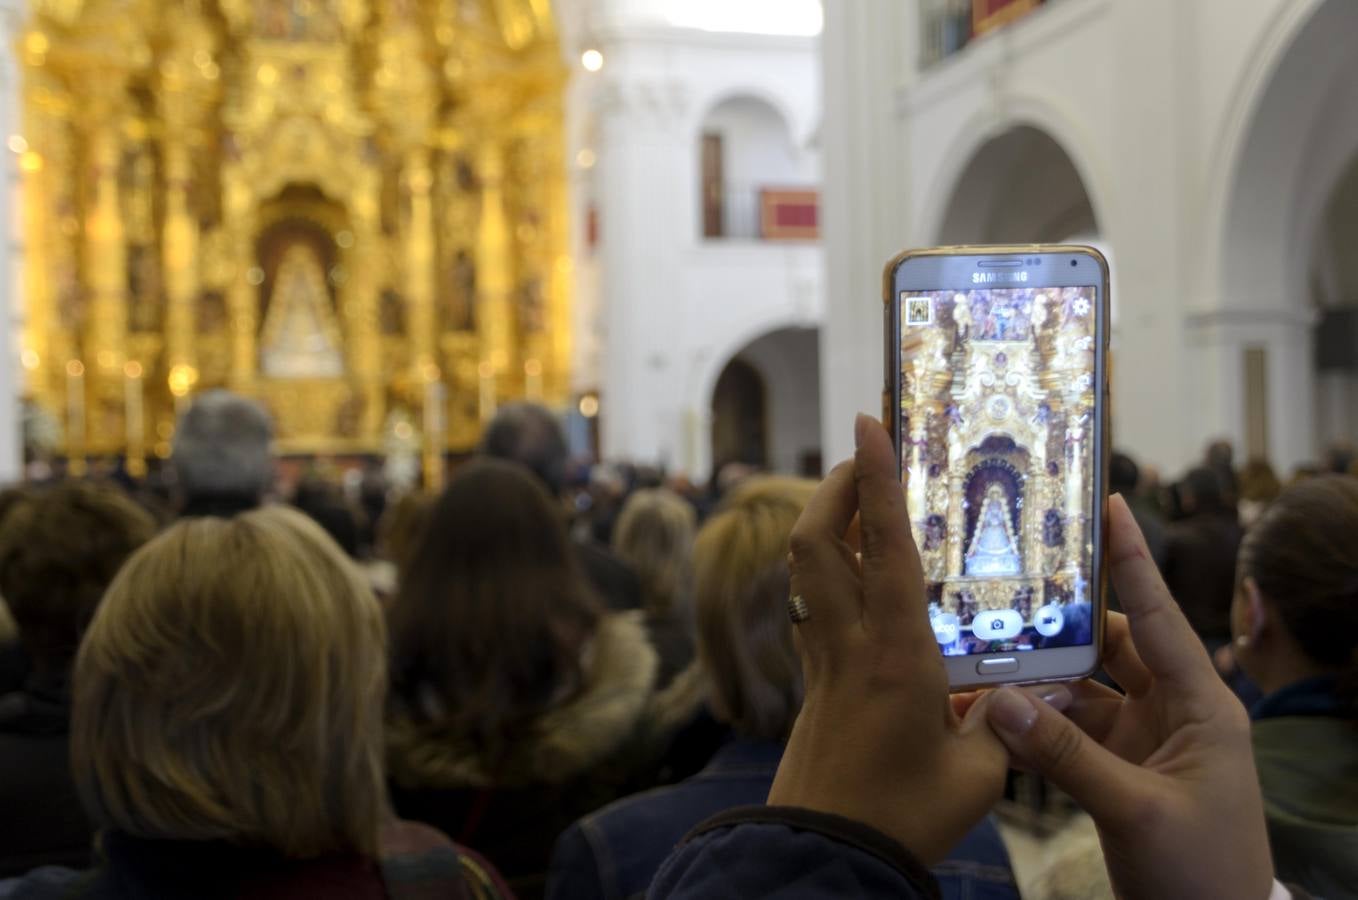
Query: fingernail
<point x="1057" y="696"/>
<point x="861" y="424"/>
<point x="1011" y="710"/>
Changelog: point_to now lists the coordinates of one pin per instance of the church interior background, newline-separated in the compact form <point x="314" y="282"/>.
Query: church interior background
<point x="352" y="210"/>
<point x="384" y="218"/>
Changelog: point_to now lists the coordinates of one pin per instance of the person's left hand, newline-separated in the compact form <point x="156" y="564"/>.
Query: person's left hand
<point x="877" y="739"/>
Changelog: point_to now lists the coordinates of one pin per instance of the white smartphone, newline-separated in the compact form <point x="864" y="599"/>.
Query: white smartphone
<point x="997" y="397"/>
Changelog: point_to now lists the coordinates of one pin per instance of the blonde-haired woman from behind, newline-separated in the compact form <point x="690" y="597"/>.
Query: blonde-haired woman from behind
<point x="654" y="535"/>
<point x="227" y="728"/>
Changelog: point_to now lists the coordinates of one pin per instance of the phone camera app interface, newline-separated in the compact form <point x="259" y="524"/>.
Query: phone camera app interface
<point x="997" y="434"/>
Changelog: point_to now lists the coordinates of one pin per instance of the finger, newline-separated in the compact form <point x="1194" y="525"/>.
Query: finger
<point x="1042" y="739"/>
<point x="1120" y="659"/>
<point x="1094" y="708"/>
<point x="893" y="579"/>
<point x="962" y="703"/>
<point x="1162" y="636"/>
<point x="822" y="568"/>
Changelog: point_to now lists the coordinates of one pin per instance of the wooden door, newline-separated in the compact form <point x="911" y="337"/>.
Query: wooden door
<point x="714" y="187"/>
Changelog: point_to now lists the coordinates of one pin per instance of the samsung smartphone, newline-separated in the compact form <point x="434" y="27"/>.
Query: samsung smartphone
<point x="996" y="394"/>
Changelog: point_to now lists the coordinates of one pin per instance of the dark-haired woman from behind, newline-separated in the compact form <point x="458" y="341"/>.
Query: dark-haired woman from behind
<point x="517" y="701"/>
<point x="1295" y="626"/>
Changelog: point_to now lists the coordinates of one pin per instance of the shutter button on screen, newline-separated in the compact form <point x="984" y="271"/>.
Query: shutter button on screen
<point x="1005" y="666"/>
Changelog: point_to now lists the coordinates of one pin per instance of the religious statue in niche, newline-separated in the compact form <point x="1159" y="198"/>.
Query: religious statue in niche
<point x="211" y="313"/>
<point x="459" y="297"/>
<point x="391" y="315"/>
<point x="993" y="549"/>
<point x="300" y="338"/>
<point x="998" y="317"/>
<point x="532" y="309"/>
<point x="143" y="283"/>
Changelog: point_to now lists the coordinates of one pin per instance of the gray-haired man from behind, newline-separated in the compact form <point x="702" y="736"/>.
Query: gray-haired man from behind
<point x="223" y="455"/>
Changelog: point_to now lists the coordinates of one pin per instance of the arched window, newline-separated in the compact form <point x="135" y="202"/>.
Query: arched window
<point x="747" y="150"/>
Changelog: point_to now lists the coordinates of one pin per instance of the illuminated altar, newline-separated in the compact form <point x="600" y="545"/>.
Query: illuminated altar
<point x="997" y="448"/>
<point x="353" y="210"/>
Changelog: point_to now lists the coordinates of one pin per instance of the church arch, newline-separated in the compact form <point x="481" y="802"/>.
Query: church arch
<point x="1019" y="186"/>
<point x="786" y="360"/>
<point x="1277" y="211"/>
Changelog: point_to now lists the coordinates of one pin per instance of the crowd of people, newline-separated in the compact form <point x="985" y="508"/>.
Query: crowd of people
<point x="538" y="683"/>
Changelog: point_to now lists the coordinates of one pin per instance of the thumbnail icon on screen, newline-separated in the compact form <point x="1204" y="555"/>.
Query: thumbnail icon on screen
<point x="919" y="311"/>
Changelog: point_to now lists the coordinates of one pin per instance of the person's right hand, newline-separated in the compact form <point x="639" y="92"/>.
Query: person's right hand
<point x="1166" y="771"/>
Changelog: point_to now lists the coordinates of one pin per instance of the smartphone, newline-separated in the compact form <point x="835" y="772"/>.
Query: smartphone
<point x="997" y="397"/>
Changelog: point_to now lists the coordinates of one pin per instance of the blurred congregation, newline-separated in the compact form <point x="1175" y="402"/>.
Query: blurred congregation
<point x="562" y="668"/>
<point x="417" y="417"/>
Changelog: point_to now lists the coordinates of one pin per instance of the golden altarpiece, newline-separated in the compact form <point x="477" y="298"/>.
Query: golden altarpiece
<point x="997" y="436"/>
<point x="353" y="210"/>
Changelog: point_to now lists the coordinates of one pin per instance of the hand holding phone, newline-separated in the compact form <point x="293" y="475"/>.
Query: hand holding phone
<point x="996" y="374"/>
<point x="876" y="739"/>
<point x="1166" y="770"/>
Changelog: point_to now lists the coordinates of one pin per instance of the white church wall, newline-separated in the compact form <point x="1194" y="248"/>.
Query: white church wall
<point x="1209" y="204"/>
<point x="672" y="306"/>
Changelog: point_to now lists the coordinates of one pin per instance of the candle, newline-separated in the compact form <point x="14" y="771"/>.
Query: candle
<point x="433" y="429"/>
<point x="487" y="393"/>
<point x="75" y="417"/>
<point x="532" y="379"/>
<point x="133" y="416"/>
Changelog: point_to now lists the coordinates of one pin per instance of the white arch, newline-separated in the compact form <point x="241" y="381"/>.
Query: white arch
<point x="799" y="127"/>
<point x="1265" y="57"/>
<point x="703" y="375"/>
<point x="983" y="127"/>
<point x="1288" y="144"/>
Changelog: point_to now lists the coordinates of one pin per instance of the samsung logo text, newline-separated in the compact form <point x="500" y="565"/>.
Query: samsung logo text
<point x="992" y="277"/>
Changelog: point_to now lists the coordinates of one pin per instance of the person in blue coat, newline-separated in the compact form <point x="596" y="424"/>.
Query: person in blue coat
<point x="749" y="664"/>
<point x="884" y="771"/>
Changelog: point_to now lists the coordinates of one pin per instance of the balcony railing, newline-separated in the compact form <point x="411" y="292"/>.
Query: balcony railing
<point x="762" y="213"/>
<point x="949" y="25"/>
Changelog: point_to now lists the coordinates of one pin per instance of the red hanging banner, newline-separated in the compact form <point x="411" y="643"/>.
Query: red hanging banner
<point x="987" y="15"/>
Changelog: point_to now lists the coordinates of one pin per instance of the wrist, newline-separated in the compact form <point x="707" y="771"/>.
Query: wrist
<point x="859" y="792"/>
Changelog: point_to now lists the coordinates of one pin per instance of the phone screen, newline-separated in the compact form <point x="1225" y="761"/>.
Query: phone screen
<point x="998" y="429"/>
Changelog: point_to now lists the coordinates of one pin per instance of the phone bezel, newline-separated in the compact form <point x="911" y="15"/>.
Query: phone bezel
<point x="951" y="268"/>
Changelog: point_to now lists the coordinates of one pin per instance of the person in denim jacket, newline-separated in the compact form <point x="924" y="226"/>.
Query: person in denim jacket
<point x="749" y="662"/>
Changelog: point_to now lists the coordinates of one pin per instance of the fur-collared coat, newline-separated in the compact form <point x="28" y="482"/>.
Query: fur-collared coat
<point x="577" y="757"/>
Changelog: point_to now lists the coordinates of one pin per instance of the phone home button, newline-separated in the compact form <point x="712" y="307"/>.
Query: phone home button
<point x="1006" y="666"/>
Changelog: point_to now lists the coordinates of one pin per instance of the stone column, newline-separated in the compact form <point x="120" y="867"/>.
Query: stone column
<point x="957" y="518"/>
<point x="179" y="253"/>
<point x="494" y="268"/>
<point x="957" y="523"/>
<point x="917" y="495"/>
<point x="868" y="53"/>
<point x="1075" y="490"/>
<point x="242" y="298"/>
<point x="647" y="180"/>
<point x="419" y="261"/>
<point x="105" y="243"/>
<point x="362" y="261"/>
<point x="560" y="271"/>
<point x="1032" y="515"/>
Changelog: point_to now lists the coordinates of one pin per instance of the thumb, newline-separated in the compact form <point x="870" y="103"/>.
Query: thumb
<point x="1043" y="740"/>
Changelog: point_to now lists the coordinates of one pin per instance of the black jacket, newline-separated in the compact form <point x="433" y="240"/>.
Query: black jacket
<point x="44" y="822"/>
<point x="1200" y="571"/>
<point x="615" y="581"/>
